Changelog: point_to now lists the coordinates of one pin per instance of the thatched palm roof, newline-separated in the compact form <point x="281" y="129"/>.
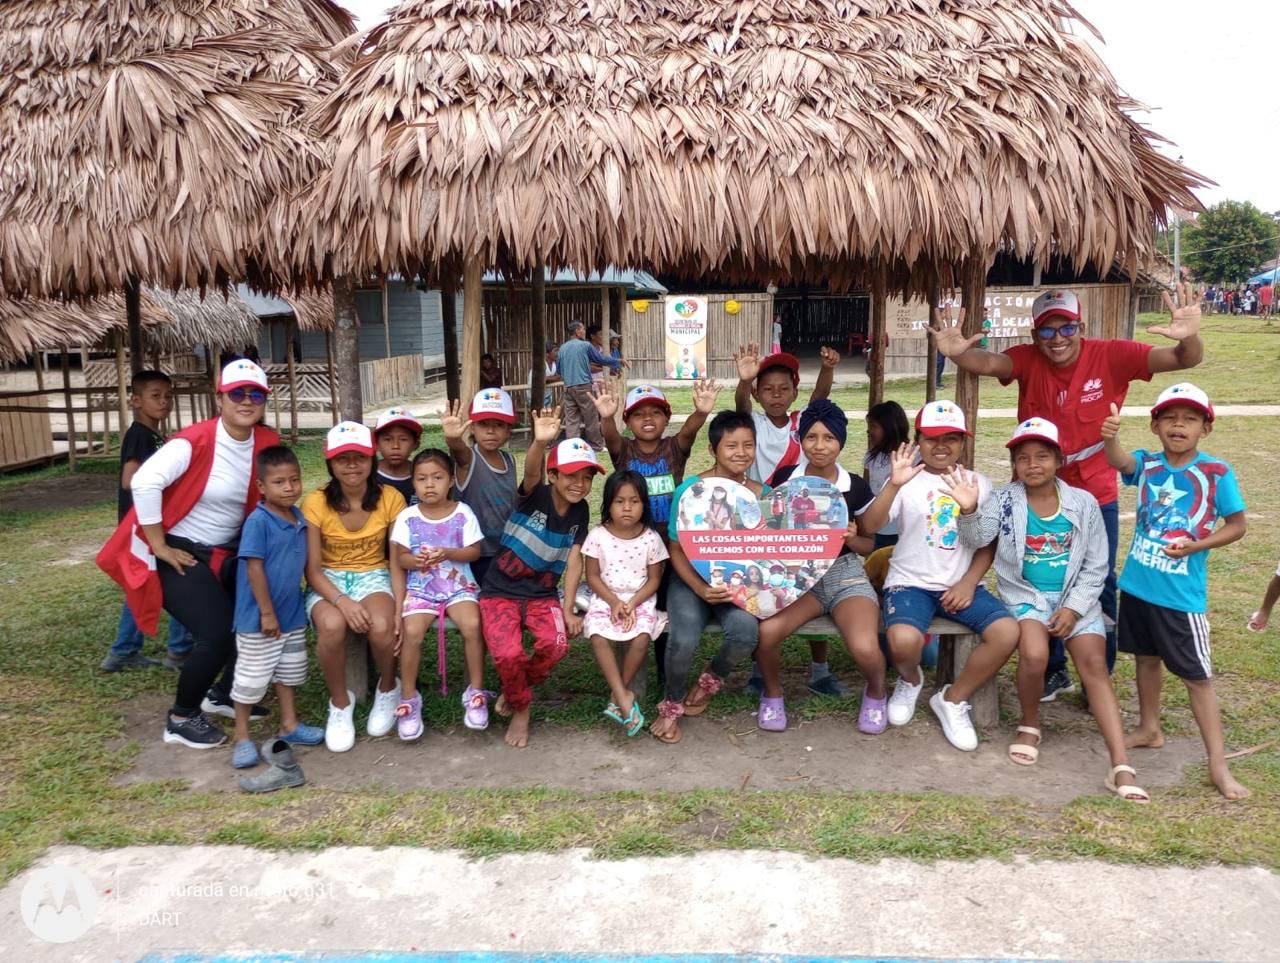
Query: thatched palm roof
<point x="790" y="139"/>
<point x="147" y="139"/>
<point x="171" y="321"/>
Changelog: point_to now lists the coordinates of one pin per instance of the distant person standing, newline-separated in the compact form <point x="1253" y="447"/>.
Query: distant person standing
<point x="777" y="335"/>
<point x="577" y="355"/>
<point x="1265" y="295"/>
<point x="552" y="375"/>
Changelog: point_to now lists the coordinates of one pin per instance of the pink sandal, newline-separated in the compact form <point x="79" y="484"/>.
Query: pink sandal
<point x="669" y="710"/>
<point x="708" y="683"/>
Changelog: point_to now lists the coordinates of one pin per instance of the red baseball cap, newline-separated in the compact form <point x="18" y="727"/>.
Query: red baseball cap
<point x="572" y="455"/>
<point x="397" y="416"/>
<point x="243" y="373"/>
<point x="348" y="436"/>
<point x="782" y="359"/>
<point x="941" y="418"/>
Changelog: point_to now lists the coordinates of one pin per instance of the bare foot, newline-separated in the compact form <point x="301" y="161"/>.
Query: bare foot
<point x="1144" y="739"/>
<point x="501" y="707"/>
<point x="518" y="731"/>
<point x="1228" y="786"/>
<point x="667" y="730"/>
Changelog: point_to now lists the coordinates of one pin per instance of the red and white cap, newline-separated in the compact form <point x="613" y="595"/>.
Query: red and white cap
<point x="348" y="436"/>
<point x="571" y="455"/>
<point x="1062" y="304"/>
<point x="783" y="359"/>
<point x="492" y="404"/>
<point x="398" y="416"/>
<point x="1183" y="393"/>
<point x="940" y="418"/>
<point x="645" y="395"/>
<point x="1035" y="429"/>
<point x="243" y="373"/>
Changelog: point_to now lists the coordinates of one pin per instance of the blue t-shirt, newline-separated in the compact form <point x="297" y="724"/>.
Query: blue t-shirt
<point x="1175" y="503"/>
<point x="283" y="549"/>
<point x="577" y="355"/>
<point x="1045" y="555"/>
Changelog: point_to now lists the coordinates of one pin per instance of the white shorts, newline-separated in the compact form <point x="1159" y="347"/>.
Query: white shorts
<point x="264" y="659"/>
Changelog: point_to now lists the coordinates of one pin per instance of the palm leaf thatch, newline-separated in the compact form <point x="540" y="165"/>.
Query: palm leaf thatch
<point x="792" y="139"/>
<point x="144" y="139"/>
<point x="171" y="322"/>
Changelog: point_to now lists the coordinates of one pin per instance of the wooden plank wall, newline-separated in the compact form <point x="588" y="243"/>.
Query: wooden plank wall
<point x="388" y="379"/>
<point x="646" y="342"/>
<point x="25" y="437"/>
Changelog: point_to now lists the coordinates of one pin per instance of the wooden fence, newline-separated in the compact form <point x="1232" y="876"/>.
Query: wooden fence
<point x="646" y="344"/>
<point x="387" y="379"/>
<point x="26" y="437"/>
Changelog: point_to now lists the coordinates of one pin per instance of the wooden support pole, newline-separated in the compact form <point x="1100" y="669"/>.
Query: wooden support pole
<point x="386" y="315"/>
<point x="472" y="293"/>
<point x="931" y="357"/>
<point x="71" y="418"/>
<point x="333" y="376"/>
<point x="290" y="332"/>
<point x="88" y="402"/>
<point x="122" y="386"/>
<point x="537" y="338"/>
<point x="973" y="286"/>
<point x="133" y="314"/>
<point x="39" y="357"/>
<point x="449" y="332"/>
<point x="879" y="320"/>
<point x="346" y="337"/>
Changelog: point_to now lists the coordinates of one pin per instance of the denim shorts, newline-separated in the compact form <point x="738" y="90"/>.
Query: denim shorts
<point x="846" y="579"/>
<point x="917" y="607"/>
<point x="1053" y="602"/>
<point x="356" y="586"/>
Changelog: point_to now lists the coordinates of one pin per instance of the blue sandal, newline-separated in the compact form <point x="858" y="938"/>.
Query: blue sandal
<point x="611" y="711"/>
<point x="635" y="719"/>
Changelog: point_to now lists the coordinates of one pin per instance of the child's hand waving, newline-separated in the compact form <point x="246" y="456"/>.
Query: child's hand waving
<point x="546" y="425"/>
<point x="747" y="358"/>
<point x="963" y="486"/>
<point x="902" y="464"/>
<point x="704" y="395"/>
<point x="452" y="423"/>
<point x="1111" y="424"/>
<point x="605" y="398"/>
<point x="830" y="357"/>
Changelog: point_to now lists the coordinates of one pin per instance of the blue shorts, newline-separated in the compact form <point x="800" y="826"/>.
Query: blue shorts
<point x="917" y="607"/>
<point x="1053" y="602"/>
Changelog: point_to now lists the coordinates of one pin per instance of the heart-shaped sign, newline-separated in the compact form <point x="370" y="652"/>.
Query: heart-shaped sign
<point x="768" y="551"/>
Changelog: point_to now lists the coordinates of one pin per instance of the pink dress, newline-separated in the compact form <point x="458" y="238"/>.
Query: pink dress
<point x="624" y="567"/>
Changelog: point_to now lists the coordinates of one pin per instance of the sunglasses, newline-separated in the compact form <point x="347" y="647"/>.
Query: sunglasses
<point x="255" y="395"/>
<point x="1067" y="331"/>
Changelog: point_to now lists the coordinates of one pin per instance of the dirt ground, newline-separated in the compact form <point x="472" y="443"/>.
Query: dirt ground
<point x="727" y="753"/>
<point x="70" y="491"/>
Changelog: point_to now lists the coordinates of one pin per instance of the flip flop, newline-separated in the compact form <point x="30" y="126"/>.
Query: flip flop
<point x="708" y="683"/>
<point x="669" y="710"/>
<point x="1024" y="755"/>
<point x="1131" y="793"/>
<point x="635" y="720"/>
<point x="1251" y="627"/>
<point x="612" y="711"/>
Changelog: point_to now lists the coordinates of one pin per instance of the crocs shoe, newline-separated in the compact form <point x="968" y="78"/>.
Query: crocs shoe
<point x="245" y="755"/>
<point x="340" y="731"/>
<point x="383" y="714"/>
<point x="409" y="719"/>
<point x="476" y="704"/>
<point x="303" y="735"/>
<point x="772" y="716"/>
<point x="873" y="717"/>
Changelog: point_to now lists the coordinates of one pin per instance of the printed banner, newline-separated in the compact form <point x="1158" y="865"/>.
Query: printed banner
<point x="768" y="551"/>
<point x="1008" y="313"/>
<point x="686" y="329"/>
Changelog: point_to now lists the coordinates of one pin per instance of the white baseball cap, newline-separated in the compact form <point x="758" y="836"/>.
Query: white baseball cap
<point x="571" y="455"/>
<point x="1183" y="393"/>
<point x="398" y="416"/>
<point x="348" y="436"/>
<point x="1035" y="429"/>
<point x="1055" y="303"/>
<point x="940" y="418"/>
<point x="243" y="373"/>
<point x="645" y="394"/>
<point x="492" y="404"/>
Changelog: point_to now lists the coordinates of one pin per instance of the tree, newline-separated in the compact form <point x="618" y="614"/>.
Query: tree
<point x="1229" y="242"/>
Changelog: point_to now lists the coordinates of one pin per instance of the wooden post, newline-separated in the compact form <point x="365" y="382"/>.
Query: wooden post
<point x="931" y="357"/>
<point x="973" y="285"/>
<point x="122" y="387"/>
<point x="133" y="314"/>
<point x="879" y="319"/>
<point x="39" y="358"/>
<point x="386" y="315"/>
<point x="71" y="418"/>
<point x="333" y="377"/>
<point x="472" y="293"/>
<point x="537" y="338"/>
<point x="449" y="332"/>
<point x="88" y="401"/>
<point x="347" y="348"/>
<point x="289" y="335"/>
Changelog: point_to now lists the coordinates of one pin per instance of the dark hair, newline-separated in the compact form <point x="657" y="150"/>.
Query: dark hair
<point x="1013" y="452"/>
<point x="143" y="378"/>
<point x="489" y="356"/>
<point x="438" y="455"/>
<point x="726" y="421"/>
<point x="893" y="424"/>
<point x="338" y="502"/>
<point x="275" y="456"/>
<point x="615" y="482"/>
<point x="788" y="371"/>
<point x="593" y="329"/>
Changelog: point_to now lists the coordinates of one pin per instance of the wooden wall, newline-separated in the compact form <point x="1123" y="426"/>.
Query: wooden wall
<point x="645" y="343"/>
<point x="389" y="379"/>
<point x="26" y="437"/>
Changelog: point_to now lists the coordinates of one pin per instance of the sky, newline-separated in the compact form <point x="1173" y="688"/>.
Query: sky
<point x="1208" y="70"/>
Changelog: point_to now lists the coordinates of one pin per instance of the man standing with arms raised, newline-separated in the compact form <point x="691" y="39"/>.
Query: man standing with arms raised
<point x="1073" y="381"/>
<point x="577" y="355"/>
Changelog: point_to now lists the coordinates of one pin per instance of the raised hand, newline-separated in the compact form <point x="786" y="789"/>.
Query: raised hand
<point x="546" y="425"/>
<point x="830" y="357"/>
<point x="1111" y="424"/>
<point x="948" y="332"/>
<point x="747" y="358"/>
<point x="452" y="423"/>
<point x="704" y="395"/>
<point x="1184" y="317"/>
<point x="605" y="398"/>
<point x="963" y="487"/>
<point x="902" y="464"/>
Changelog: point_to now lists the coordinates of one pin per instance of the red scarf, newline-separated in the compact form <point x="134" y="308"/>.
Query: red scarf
<point x="127" y="557"/>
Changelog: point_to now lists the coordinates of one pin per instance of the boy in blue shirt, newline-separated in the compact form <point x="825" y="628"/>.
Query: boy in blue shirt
<point x="270" y="619"/>
<point x="1182" y="494"/>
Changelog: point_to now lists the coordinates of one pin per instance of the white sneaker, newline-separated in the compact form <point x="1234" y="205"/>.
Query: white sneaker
<point x="383" y="714"/>
<point x="902" y="704"/>
<point x="954" y="717"/>
<point x="340" y="730"/>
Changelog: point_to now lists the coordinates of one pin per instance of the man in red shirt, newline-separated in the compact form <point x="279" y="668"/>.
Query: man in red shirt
<point x="1072" y="381"/>
<point x="1265" y="295"/>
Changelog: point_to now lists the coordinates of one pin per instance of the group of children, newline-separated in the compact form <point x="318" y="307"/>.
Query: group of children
<point x="499" y="557"/>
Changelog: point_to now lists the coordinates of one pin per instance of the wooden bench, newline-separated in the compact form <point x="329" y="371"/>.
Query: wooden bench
<point x="955" y="644"/>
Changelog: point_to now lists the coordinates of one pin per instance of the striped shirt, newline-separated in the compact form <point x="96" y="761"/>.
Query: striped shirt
<point x="535" y="548"/>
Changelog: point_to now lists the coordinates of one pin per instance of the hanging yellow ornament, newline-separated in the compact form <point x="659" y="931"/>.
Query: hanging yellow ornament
<point x="641" y="306"/>
<point x="732" y="307"/>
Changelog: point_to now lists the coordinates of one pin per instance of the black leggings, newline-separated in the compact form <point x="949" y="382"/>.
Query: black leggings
<point x="205" y="603"/>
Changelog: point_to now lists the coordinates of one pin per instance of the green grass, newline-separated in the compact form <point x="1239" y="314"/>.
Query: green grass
<point x="61" y="749"/>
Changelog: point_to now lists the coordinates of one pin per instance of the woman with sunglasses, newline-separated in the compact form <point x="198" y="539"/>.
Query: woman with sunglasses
<point x="177" y="547"/>
<point x="1072" y="382"/>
